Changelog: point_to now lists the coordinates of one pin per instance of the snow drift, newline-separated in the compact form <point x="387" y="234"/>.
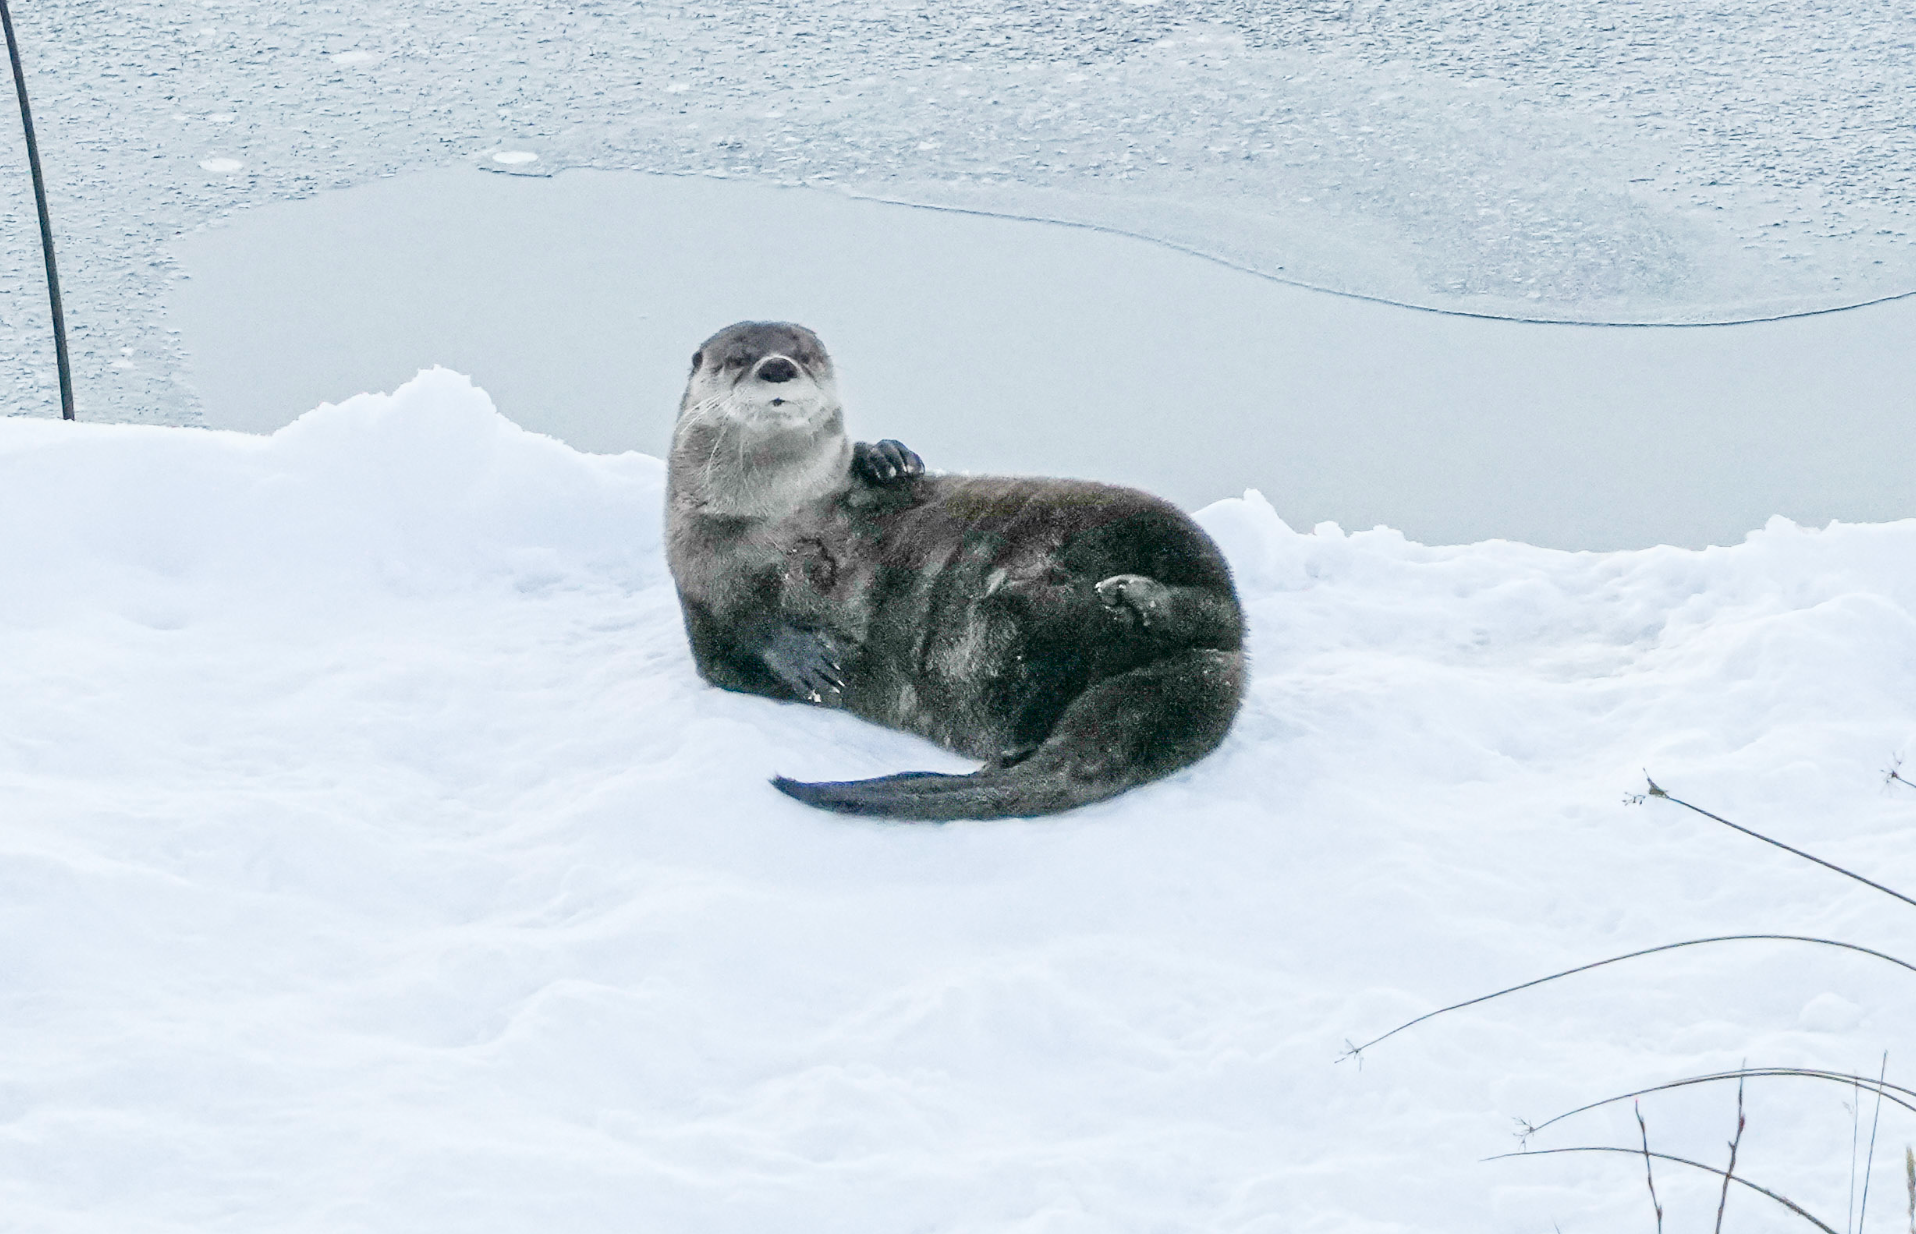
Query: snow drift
<point x="373" y="859"/>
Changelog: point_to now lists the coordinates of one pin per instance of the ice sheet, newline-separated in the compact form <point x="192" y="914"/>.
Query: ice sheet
<point x="1584" y="160"/>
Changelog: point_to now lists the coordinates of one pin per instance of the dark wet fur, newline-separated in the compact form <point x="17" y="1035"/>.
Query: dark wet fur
<point x="1079" y="638"/>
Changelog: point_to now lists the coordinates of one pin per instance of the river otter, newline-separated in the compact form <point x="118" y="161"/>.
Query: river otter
<point x="1079" y="638"/>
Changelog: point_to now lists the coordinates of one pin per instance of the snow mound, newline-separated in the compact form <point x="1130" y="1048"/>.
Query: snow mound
<point x="373" y="859"/>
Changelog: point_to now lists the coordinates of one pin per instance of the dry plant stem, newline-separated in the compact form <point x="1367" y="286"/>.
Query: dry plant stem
<point x="1741" y="1182"/>
<point x="1895" y="773"/>
<point x="1869" y="1159"/>
<point x="1855" y="1142"/>
<point x="1907" y="1099"/>
<point x="1355" y="1051"/>
<point x="1656" y="791"/>
<point x="1723" y="1199"/>
<point x="1909" y="1172"/>
<point x="1648" y="1176"/>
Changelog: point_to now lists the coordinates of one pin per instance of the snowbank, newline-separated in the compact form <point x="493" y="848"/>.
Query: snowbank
<point x="372" y="859"/>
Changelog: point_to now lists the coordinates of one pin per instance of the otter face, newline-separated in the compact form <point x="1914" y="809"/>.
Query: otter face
<point x="765" y="375"/>
<point x="760" y="430"/>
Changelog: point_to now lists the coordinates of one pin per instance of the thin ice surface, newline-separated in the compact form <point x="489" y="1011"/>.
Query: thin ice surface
<point x="1586" y="160"/>
<point x="373" y="859"/>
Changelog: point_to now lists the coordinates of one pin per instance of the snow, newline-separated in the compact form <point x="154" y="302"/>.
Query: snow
<point x="374" y="860"/>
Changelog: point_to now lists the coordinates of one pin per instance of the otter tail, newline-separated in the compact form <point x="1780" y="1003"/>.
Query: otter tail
<point x="1124" y="731"/>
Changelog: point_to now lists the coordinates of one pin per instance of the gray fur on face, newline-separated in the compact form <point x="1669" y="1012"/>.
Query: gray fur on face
<point x="760" y="429"/>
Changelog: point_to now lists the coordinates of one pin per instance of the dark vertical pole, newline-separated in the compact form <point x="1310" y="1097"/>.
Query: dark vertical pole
<point x="46" y="222"/>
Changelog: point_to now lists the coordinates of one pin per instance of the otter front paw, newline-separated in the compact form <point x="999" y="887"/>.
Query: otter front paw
<point x="809" y="663"/>
<point x="1134" y="595"/>
<point x="886" y="463"/>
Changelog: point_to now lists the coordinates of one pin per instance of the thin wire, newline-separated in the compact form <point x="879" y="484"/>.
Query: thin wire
<point x="46" y="220"/>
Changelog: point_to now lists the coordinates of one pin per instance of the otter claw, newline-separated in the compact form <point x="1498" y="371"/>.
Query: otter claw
<point x="1111" y="590"/>
<point x="807" y="661"/>
<point x="887" y="462"/>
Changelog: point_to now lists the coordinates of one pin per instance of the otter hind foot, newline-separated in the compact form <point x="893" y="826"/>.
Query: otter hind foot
<point x="886" y="463"/>
<point x="808" y="662"/>
<point x="1146" y="598"/>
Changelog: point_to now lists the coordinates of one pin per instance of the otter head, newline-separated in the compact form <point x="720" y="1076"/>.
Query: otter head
<point x="760" y="429"/>
<point x="770" y="376"/>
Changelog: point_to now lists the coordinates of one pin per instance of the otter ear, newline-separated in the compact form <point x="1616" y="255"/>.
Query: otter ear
<point x="698" y="358"/>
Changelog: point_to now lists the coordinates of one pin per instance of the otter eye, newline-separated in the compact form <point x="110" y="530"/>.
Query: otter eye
<point x="698" y="358"/>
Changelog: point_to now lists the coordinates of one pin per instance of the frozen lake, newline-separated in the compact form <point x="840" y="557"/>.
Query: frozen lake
<point x="1588" y="161"/>
<point x="996" y="344"/>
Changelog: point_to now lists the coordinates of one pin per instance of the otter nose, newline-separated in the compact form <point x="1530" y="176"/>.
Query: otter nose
<point x="777" y="368"/>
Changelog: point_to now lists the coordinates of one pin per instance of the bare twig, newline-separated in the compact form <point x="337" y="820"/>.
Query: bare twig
<point x="1656" y="791"/>
<point x="1855" y="1142"/>
<point x="1649" y="1177"/>
<point x="1741" y="1182"/>
<point x="1869" y="1159"/>
<point x="1896" y="1094"/>
<point x="1356" y="1051"/>
<point x="1895" y="773"/>
<point x="1723" y="1200"/>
